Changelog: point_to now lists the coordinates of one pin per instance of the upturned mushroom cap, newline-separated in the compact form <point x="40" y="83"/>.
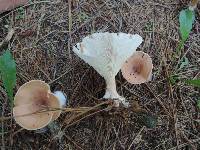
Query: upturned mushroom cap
<point x="25" y="117"/>
<point x="31" y="91"/>
<point x="32" y="97"/>
<point x="138" y="68"/>
<point x="106" y="52"/>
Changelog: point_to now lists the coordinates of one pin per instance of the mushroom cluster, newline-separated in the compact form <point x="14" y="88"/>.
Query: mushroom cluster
<point x="107" y="53"/>
<point x="33" y="104"/>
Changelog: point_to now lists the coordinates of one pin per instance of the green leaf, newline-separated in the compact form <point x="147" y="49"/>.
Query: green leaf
<point x="148" y="27"/>
<point x="82" y="16"/>
<point x="198" y="103"/>
<point x="186" y="19"/>
<point x="195" y="83"/>
<point x="173" y="79"/>
<point x="147" y="119"/>
<point x="20" y="13"/>
<point x="8" y="73"/>
<point x="184" y="63"/>
<point x="150" y="121"/>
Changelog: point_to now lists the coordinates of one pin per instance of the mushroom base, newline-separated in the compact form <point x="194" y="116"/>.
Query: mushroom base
<point x="116" y="98"/>
<point x="111" y="93"/>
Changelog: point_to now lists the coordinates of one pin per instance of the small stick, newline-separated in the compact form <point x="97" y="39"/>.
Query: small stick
<point x="193" y="5"/>
<point x="159" y="101"/>
<point x="73" y="142"/>
<point x="85" y="112"/>
<point x="2" y="127"/>
<point x="7" y="38"/>
<point x="139" y="133"/>
<point x="70" y="26"/>
<point x="81" y="110"/>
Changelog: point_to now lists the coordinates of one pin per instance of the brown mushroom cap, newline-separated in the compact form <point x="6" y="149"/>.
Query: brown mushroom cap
<point x="138" y="68"/>
<point x="31" y="91"/>
<point x="54" y="103"/>
<point x="32" y="97"/>
<point x="25" y="117"/>
<point x="7" y="5"/>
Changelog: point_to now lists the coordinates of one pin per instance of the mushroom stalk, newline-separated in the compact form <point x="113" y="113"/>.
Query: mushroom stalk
<point x="111" y="92"/>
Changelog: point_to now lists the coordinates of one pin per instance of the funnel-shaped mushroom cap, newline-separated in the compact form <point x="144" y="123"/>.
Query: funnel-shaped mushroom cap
<point x="31" y="91"/>
<point x="106" y="52"/>
<point x="138" y="68"/>
<point x="25" y="117"/>
<point x="33" y="97"/>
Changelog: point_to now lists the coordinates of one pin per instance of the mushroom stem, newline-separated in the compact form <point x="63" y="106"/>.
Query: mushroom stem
<point x="111" y="92"/>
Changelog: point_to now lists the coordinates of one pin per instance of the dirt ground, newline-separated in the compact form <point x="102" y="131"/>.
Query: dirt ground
<point x="46" y="31"/>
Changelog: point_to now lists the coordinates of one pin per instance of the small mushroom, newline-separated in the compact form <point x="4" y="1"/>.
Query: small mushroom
<point x="138" y="68"/>
<point x="32" y="101"/>
<point x="106" y="53"/>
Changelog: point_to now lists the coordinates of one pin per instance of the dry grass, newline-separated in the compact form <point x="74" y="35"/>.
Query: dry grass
<point x="44" y="35"/>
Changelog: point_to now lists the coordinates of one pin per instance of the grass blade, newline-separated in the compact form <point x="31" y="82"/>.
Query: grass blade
<point x="195" y="83"/>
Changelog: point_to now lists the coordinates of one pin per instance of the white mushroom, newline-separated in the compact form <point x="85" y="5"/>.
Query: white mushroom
<point x="106" y="53"/>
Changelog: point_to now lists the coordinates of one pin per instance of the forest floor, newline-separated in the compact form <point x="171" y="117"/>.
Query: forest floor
<point x="46" y="31"/>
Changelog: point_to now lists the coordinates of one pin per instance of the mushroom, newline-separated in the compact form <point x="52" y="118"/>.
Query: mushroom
<point x="32" y="101"/>
<point x="106" y="53"/>
<point x="138" y="68"/>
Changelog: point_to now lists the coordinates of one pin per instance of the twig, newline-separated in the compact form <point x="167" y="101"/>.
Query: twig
<point x="2" y="128"/>
<point x="81" y="110"/>
<point x="21" y="129"/>
<point x="60" y="76"/>
<point x="76" y="145"/>
<point x="7" y="38"/>
<point x="91" y="114"/>
<point x="70" y="27"/>
<point x="117" y="136"/>
<point x="159" y="101"/>
<point x="193" y="4"/>
<point x="185" y="144"/>
<point x="176" y="129"/>
<point x="139" y="133"/>
<point x="85" y="112"/>
<point x="39" y="25"/>
<point x="185" y="137"/>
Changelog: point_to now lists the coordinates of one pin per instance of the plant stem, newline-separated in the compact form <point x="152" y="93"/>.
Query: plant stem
<point x="180" y="46"/>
